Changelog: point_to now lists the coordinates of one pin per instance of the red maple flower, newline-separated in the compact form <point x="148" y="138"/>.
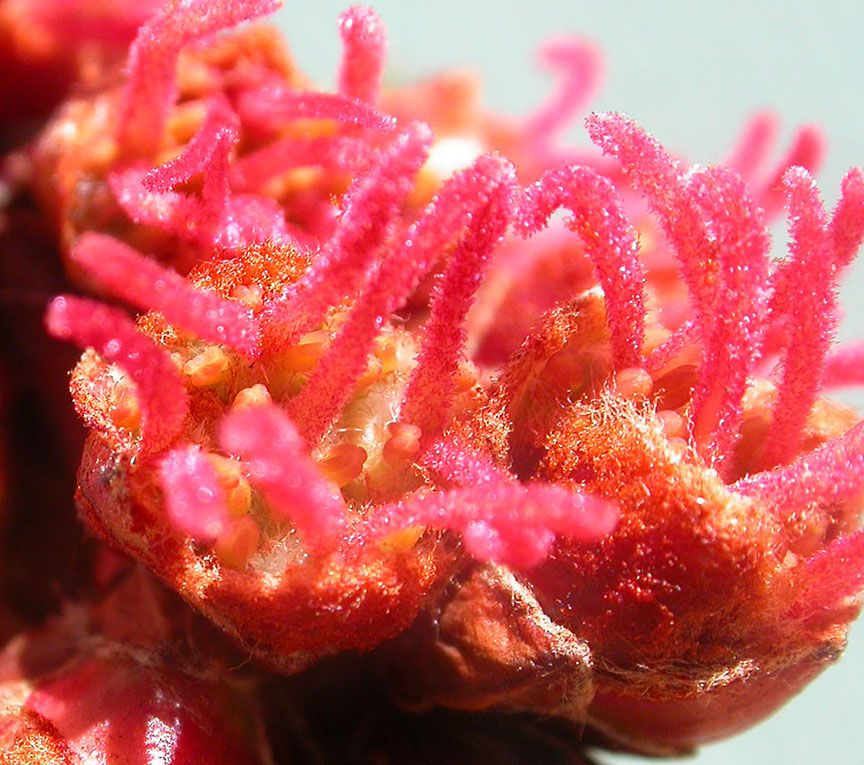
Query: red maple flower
<point x="618" y="498"/>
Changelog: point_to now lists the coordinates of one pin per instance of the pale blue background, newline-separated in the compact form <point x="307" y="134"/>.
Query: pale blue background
<point x="691" y="72"/>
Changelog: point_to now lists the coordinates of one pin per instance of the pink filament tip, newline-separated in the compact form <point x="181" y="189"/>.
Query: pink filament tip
<point x="807" y="151"/>
<point x="144" y="283"/>
<point x="505" y="523"/>
<point x="805" y="294"/>
<point x="847" y="225"/>
<point x="151" y="88"/>
<point x="579" y="68"/>
<point x="753" y="146"/>
<point x="660" y="179"/>
<point x="194" y="498"/>
<point x="365" y="48"/>
<point x="161" y="393"/>
<point x="278" y="463"/>
<point x="215" y="138"/>
<point x="609" y="241"/>
<point x="278" y="105"/>
<point x="845" y="366"/>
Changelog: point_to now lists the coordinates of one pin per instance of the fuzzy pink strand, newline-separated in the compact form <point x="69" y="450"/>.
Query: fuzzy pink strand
<point x="830" y="474"/>
<point x="111" y="22"/>
<point x="447" y="219"/>
<point x="194" y="499"/>
<point x="845" y="366"/>
<point x="431" y="385"/>
<point x="333" y="153"/>
<point x="277" y="461"/>
<point x="807" y="151"/>
<point x="609" y="242"/>
<point x="365" y="49"/>
<point x="151" y="87"/>
<point x="660" y="179"/>
<point x="146" y="284"/>
<point x="808" y="292"/>
<point x="275" y="106"/>
<point x="847" y="224"/>
<point x="340" y="269"/>
<point x="213" y="141"/>
<point x="214" y="219"/>
<point x="505" y="523"/>
<point x="831" y="575"/>
<point x="579" y="68"/>
<point x="755" y="143"/>
<point x="458" y="464"/>
<point x="686" y="334"/>
<point x="242" y="220"/>
<point x="733" y="347"/>
<point x="162" y="395"/>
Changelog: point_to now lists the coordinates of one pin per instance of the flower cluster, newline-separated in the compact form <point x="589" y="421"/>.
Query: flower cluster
<point x="382" y="397"/>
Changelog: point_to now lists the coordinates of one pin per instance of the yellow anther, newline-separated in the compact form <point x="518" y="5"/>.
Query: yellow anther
<point x="633" y="382"/>
<point x="466" y="377"/>
<point x="209" y="367"/>
<point x="185" y="120"/>
<point x="101" y="152"/>
<point x="401" y="541"/>
<point x="254" y="395"/>
<point x="678" y="446"/>
<point x="238" y="543"/>
<point x="303" y="356"/>
<point x="671" y="422"/>
<point x="403" y="444"/>
<point x="343" y="463"/>
<point x="125" y="411"/>
<point x="372" y="373"/>
<point x="385" y="351"/>
<point x="654" y="336"/>
<point x="311" y="127"/>
<point x="300" y="178"/>
<point x="251" y="296"/>
<point x="565" y="370"/>
<point x="238" y="492"/>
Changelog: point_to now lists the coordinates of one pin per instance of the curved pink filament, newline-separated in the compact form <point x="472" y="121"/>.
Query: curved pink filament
<point x="194" y="498"/>
<point x="161" y="393"/>
<point x="805" y="294"/>
<point x="609" y="242"/>
<point x="661" y="180"/>
<point x="830" y="474"/>
<point x="365" y="49"/>
<point x="356" y="247"/>
<point x="146" y="284"/>
<point x="447" y="219"/>
<point x="151" y="88"/>
<point x="807" y="150"/>
<point x="733" y="346"/>
<point x="753" y="146"/>
<point x="505" y="523"/>
<point x="579" y="68"/>
<point x="278" y="462"/>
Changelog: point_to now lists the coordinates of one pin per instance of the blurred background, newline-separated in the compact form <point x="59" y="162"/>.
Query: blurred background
<point x="691" y="72"/>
